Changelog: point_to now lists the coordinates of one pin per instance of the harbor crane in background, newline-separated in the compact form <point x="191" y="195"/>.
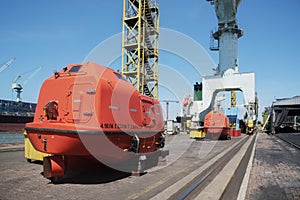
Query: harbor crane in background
<point x="18" y="87"/>
<point x="227" y="77"/>
<point x="7" y="64"/>
<point x="140" y="48"/>
<point x="167" y="106"/>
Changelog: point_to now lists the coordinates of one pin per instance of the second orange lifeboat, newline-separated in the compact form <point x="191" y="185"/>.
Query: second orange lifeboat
<point x="216" y="125"/>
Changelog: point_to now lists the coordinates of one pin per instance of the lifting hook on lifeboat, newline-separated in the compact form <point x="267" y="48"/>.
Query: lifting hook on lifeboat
<point x="161" y="142"/>
<point x="134" y="144"/>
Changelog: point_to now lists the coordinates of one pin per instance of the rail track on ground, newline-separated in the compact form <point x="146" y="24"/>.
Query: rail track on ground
<point x="196" y="185"/>
<point x="199" y="181"/>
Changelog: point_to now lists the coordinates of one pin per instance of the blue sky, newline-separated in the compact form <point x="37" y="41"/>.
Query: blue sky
<point x="55" y="33"/>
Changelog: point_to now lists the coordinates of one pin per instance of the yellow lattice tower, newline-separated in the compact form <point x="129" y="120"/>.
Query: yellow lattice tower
<point x="140" y="45"/>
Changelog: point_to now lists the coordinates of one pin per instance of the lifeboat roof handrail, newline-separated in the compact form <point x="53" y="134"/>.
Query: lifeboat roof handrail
<point x="64" y="74"/>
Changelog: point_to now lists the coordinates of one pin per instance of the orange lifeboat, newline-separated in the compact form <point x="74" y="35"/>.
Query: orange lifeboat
<point x="186" y="101"/>
<point x="87" y="110"/>
<point x="216" y="125"/>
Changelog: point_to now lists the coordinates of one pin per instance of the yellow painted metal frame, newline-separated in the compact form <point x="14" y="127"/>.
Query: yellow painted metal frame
<point x="233" y="99"/>
<point x="197" y="133"/>
<point x="30" y="152"/>
<point x="140" y="44"/>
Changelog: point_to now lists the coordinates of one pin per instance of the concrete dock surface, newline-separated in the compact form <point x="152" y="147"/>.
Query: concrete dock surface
<point x="274" y="174"/>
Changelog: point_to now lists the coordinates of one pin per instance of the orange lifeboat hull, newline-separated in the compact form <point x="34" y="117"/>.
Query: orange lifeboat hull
<point x="90" y="110"/>
<point x="216" y="125"/>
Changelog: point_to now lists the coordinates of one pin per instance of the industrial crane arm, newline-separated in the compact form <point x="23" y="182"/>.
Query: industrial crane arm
<point x="3" y="67"/>
<point x="32" y="75"/>
<point x="167" y="101"/>
<point x="167" y="106"/>
<point x="17" y="78"/>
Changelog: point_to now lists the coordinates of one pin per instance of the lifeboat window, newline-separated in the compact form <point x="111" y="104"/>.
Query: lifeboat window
<point x="120" y="76"/>
<point x="75" y="68"/>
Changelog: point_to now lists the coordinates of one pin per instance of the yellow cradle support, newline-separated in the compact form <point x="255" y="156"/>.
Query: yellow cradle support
<point x="30" y="152"/>
<point x="197" y="133"/>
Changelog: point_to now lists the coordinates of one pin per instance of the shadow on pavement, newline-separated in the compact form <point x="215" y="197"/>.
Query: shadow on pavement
<point x="100" y="176"/>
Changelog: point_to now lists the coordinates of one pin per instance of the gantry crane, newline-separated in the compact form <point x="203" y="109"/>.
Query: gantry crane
<point x="5" y="65"/>
<point x="18" y="87"/>
<point x="140" y="45"/>
<point x="167" y="106"/>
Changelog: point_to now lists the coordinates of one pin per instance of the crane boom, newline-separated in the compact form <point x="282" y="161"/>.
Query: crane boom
<point x="167" y="106"/>
<point x="32" y="75"/>
<point x="5" y="65"/>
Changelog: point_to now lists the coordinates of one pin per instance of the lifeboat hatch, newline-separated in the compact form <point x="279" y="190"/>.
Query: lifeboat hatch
<point x="82" y="101"/>
<point x="146" y="108"/>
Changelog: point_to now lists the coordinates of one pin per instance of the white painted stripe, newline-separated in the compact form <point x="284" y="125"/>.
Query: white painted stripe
<point x="91" y="91"/>
<point x="113" y="107"/>
<point x="88" y="113"/>
<point x="133" y="110"/>
<point x="244" y="186"/>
